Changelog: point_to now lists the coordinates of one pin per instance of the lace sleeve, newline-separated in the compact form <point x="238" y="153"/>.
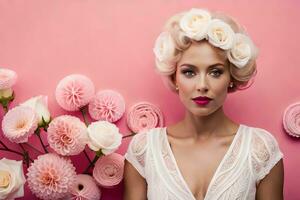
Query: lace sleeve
<point x="136" y="152"/>
<point x="265" y="153"/>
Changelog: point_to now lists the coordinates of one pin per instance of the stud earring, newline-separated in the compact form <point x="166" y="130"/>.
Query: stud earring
<point x="231" y="84"/>
<point x="176" y="88"/>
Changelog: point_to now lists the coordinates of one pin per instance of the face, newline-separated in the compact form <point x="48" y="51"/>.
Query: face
<point x="202" y="71"/>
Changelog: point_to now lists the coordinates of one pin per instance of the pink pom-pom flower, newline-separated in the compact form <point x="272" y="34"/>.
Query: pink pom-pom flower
<point x="51" y="176"/>
<point x="19" y="124"/>
<point x="67" y="135"/>
<point x="107" y="105"/>
<point x="74" y="92"/>
<point x="291" y="120"/>
<point x="7" y="78"/>
<point x="143" y="116"/>
<point x="85" y="188"/>
<point x="109" y="170"/>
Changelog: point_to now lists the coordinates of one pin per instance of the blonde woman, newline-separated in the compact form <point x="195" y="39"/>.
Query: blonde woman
<point x="204" y="56"/>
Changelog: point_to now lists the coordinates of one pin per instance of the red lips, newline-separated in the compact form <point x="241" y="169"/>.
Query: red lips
<point x="202" y="100"/>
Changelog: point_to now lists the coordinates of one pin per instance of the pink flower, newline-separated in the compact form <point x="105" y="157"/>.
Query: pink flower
<point x="67" y="135"/>
<point x="19" y="124"/>
<point x="7" y="78"/>
<point x="107" y="105"/>
<point x="85" y="188"/>
<point x="291" y="120"/>
<point x="144" y="115"/>
<point x="74" y="91"/>
<point x="51" y="176"/>
<point x="108" y="170"/>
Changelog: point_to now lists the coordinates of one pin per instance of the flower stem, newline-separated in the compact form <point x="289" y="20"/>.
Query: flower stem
<point x="34" y="148"/>
<point x="16" y="152"/>
<point x="125" y="136"/>
<point x="38" y="133"/>
<point x="87" y="156"/>
<point x="82" y="110"/>
<point x="97" y="156"/>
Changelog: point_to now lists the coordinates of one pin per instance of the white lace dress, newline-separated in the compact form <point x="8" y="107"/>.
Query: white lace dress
<point x="250" y="157"/>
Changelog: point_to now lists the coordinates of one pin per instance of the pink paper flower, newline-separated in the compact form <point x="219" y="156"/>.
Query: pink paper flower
<point x="19" y="124"/>
<point x="291" y="120"/>
<point x="107" y="105"/>
<point x="67" y="135"/>
<point x="74" y="91"/>
<point x="144" y="115"/>
<point x="108" y="170"/>
<point x="85" y="188"/>
<point x="51" y="176"/>
<point x="7" y="78"/>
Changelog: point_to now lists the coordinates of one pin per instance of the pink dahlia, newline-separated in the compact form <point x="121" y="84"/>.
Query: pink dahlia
<point x="291" y="120"/>
<point x="144" y="115"/>
<point x="51" y="176"/>
<point x="85" y="188"/>
<point x="7" y="78"/>
<point x="67" y="135"/>
<point x="19" y="124"/>
<point x="108" y="170"/>
<point x="74" y="91"/>
<point x="107" y="105"/>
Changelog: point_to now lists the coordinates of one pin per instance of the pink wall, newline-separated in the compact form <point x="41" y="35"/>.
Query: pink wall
<point x="111" y="42"/>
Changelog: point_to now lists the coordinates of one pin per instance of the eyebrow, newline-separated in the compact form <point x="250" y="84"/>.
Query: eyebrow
<point x="210" y="66"/>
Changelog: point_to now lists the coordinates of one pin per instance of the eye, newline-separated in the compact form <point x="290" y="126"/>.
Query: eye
<point x="216" y="72"/>
<point x="188" y="72"/>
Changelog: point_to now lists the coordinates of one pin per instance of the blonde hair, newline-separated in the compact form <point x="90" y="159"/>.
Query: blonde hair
<point x="241" y="77"/>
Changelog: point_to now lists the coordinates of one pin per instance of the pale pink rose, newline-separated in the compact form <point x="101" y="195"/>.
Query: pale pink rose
<point x="74" y="92"/>
<point x="67" y="135"/>
<point x="51" y="176"/>
<point x="109" y="170"/>
<point x="107" y="105"/>
<point x="143" y="116"/>
<point x="291" y="120"/>
<point x="85" y="188"/>
<point x="19" y="124"/>
<point x="7" y="78"/>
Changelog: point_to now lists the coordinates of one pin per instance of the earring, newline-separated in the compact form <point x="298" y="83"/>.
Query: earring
<point x="176" y="88"/>
<point x="231" y="84"/>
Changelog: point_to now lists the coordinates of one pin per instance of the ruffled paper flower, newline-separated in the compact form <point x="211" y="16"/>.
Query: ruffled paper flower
<point x="74" y="91"/>
<point x="7" y="78"/>
<point x="85" y="188"/>
<point x="291" y="120"/>
<point x="108" y="170"/>
<point x="144" y="116"/>
<point x="107" y="105"/>
<point x="19" y="124"/>
<point x="51" y="176"/>
<point x="67" y="135"/>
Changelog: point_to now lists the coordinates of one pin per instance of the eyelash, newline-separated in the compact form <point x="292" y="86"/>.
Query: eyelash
<point x="189" y="73"/>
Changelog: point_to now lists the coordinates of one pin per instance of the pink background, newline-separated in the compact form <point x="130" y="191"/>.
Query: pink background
<point x="111" y="42"/>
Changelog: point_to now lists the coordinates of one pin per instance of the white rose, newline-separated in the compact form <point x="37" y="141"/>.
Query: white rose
<point x="195" y="23"/>
<point x="12" y="179"/>
<point x="220" y="34"/>
<point x="164" y="48"/>
<point x="105" y="136"/>
<point x="40" y="105"/>
<point x="6" y="93"/>
<point x="242" y="50"/>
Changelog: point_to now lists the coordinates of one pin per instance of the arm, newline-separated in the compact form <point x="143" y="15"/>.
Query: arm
<point x="271" y="187"/>
<point x="135" y="184"/>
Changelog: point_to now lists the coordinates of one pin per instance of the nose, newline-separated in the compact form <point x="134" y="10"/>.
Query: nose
<point x="202" y="84"/>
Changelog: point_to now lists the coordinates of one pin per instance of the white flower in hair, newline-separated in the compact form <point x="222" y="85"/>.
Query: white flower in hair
<point x="242" y="50"/>
<point x="220" y="34"/>
<point x="164" y="48"/>
<point x="194" y="23"/>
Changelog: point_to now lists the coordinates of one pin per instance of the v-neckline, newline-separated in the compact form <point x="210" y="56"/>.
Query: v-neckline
<point x="216" y="171"/>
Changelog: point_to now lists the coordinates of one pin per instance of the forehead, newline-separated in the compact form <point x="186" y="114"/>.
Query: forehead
<point x="202" y="54"/>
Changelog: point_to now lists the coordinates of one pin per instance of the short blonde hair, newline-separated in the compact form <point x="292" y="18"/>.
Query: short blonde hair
<point x="241" y="77"/>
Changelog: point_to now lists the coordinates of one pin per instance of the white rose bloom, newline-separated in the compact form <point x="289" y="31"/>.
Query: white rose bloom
<point x="12" y="179"/>
<point x="242" y="50"/>
<point x="40" y="105"/>
<point x="195" y="23"/>
<point x="220" y="34"/>
<point x="105" y="136"/>
<point x="164" y="48"/>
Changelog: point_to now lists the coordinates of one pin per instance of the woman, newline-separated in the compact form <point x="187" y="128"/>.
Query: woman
<point x="206" y="155"/>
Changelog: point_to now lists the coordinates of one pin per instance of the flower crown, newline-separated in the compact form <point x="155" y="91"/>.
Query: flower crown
<point x="198" y="24"/>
